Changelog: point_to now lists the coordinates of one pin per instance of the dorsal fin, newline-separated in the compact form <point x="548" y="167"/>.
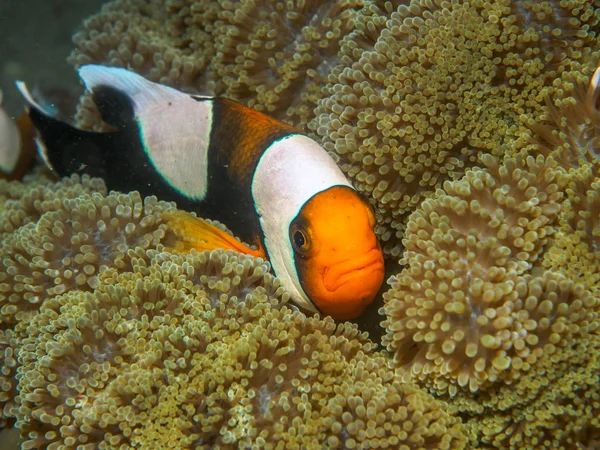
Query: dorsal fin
<point x="116" y="89"/>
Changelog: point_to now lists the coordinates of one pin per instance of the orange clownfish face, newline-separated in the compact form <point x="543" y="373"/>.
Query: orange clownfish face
<point x="337" y="254"/>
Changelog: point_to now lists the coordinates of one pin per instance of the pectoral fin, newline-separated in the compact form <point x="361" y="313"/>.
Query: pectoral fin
<point x="187" y="232"/>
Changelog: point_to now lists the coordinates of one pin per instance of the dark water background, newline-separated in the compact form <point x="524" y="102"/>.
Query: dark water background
<point x="35" y="40"/>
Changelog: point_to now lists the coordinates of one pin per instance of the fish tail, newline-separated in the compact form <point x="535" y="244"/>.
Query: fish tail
<point x="62" y="147"/>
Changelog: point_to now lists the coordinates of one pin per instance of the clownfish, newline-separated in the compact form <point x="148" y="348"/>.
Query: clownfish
<point x="267" y="182"/>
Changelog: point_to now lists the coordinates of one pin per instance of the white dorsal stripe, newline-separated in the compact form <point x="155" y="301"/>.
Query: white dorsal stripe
<point x="289" y="173"/>
<point x="174" y="128"/>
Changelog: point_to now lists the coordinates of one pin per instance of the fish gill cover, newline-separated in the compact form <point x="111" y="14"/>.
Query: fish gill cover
<point x="470" y="128"/>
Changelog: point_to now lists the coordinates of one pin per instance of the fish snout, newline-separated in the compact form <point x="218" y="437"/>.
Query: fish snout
<point x="351" y="285"/>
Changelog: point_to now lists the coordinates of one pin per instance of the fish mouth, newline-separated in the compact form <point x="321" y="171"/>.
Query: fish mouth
<point x="360" y="270"/>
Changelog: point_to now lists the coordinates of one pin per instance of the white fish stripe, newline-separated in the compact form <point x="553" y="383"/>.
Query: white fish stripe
<point x="174" y="127"/>
<point x="289" y="173"/>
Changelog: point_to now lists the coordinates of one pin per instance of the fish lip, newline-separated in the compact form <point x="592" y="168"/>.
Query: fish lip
<point x="345" y="271"/>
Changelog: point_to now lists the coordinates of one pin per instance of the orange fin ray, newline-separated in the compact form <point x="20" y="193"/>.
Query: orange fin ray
<point x="189" y="232"/>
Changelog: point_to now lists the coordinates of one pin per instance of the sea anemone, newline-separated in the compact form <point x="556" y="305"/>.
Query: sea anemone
<point x="60" y="237"/>
<point x="169" y="42"/>
<point x="69" y="246"/>
<point x="476" y="319"/>
<point x="457" y="315"/>
<point x="556" y="402"/>
<point x="275" y="55"/>
<point x="25" y="202"/>
<point x="404" y="97"/>
<point x="571" y="129"/>
<point x="575" y="249"/>
<point x="200" y="350"/>
<point x="271" y="55"/>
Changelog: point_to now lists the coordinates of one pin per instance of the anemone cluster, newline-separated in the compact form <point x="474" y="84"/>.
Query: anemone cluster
<point x="497" y="307"/>
<point x="459" y="309"/>
<point x="58" y="237"/>
<point x="199" y="351"/>
<point x="489" y="312"/>
<point x="109" y="341"/>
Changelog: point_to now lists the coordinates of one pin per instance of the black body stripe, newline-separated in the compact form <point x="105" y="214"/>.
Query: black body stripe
<point x="229" y="197"/>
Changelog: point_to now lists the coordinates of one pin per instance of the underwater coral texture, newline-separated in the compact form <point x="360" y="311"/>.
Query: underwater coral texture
<point x="470" y="126"/>
<point x="58" y="237"/>
<point x="200" y="351"/>
<point x="475" y="316"/>
<point x="191" y="351"/>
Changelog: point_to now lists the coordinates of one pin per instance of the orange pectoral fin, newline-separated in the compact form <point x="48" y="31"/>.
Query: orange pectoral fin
<point x="189" y="232"/>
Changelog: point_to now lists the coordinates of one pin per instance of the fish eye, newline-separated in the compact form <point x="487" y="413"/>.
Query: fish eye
<point x="300" y="239"/>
